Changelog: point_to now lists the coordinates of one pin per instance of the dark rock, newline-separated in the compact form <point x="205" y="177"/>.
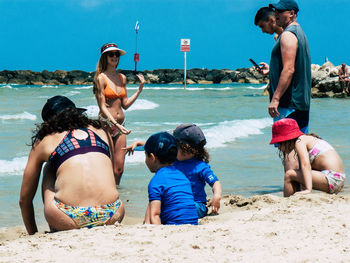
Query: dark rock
<point x="325" y="81"/>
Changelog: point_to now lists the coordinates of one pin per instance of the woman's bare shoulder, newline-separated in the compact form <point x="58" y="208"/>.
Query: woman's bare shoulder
<point x="47" y="145"/>
<point x="99" y="132"/>
<point x="101" y="77"/>
<point x="123" y="77"/>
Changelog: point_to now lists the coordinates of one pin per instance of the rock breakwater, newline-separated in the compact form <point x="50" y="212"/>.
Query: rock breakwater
<point x="325" y="81"/>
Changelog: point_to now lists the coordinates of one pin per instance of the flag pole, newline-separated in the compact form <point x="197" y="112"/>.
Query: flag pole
<point x="185" y="70"/>
<point x="136" y="55"/>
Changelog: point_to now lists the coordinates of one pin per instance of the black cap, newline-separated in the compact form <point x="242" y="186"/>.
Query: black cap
<point x="55" y="105"/>
<point x="190" y="134"/>
<point x="162" y="144"/>
<point x="286" y="5"/>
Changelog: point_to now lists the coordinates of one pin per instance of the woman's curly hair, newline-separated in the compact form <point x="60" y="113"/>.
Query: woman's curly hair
<point x="68" y="119"/>
<point x="199" y="153"/>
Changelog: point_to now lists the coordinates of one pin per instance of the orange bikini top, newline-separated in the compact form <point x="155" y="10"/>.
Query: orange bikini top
<point x="110" y="93"/>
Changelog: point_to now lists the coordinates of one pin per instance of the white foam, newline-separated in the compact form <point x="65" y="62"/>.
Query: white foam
<point x="143" y="104"/>
<point x="7" y="86"/>
<point x="202" y="88"/>
<point x="228" y="131"/>
<point x="83" y="87"/>
<point x="50" y="86"/>
<point x="191" y="88"/>
<point x="19" y="116"/>
<point x="92" y="111"/>
<point x="262" y="87"/>
<point x="72" y="93"/>
<point x="136" y="158"/>
<point x="14" y="167"/>
<point x="178" y="123"/>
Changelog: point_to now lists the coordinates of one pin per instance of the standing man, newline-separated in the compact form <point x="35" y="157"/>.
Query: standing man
<point x="290" y="71"/>
<point x="344" y="78"/>
<point x="266" y="20"/>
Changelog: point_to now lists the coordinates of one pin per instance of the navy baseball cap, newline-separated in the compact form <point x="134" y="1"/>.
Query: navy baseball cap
<point x="286" y="5"/>
<point x="57" y="104"/>
<point x="190" y="134"/>
<point x="163" y="145"/>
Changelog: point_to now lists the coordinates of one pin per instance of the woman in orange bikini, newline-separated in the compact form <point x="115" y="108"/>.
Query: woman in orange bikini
<point x="110" y="91"/>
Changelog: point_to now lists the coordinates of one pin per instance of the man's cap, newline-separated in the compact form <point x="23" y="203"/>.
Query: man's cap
<point x="190" y="134"/>
<point x="162" y="144"/>
<point x="111" y="47"/>
<point x="286" y="5"/>
<point x="285" y="130"/>
<point x="57" y="104"/>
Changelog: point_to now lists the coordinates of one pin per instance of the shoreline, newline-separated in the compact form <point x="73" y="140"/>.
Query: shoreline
<point x="325" y="80"/>
<point x="283" y="229"/>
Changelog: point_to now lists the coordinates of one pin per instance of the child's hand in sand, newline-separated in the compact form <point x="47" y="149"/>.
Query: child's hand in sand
<point x="215" y="204"/>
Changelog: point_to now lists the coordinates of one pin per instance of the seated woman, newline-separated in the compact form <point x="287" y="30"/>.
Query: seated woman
<point x="78" y="186"/>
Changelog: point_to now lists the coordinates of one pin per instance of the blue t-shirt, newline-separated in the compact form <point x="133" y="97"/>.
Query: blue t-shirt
<point x="173" y="189"/>
<point x="198" y="172"/>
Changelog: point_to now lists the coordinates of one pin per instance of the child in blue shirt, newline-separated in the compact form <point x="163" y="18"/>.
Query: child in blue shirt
<point x="169" y="191"/>
<point x="192" y="160"/>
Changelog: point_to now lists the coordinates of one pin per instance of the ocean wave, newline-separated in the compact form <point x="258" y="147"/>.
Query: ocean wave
<point x="92" y="111"/>
<point x="50" y="86"/>
<point x="19" y="116"/>
<point x="228" y="131"/>
<point x="7" y="86"/>
<point x="262" y="87"/>
<point x="136" y="158"/>
<point x="83" y="87"/>
<point x="13" y="167"/>
<point x="72" y="93"/>
<point x="141" y="104"/>
<point x="193" y="88"/>
<point x="17" y="165"/>
<point x="172" y="125"/>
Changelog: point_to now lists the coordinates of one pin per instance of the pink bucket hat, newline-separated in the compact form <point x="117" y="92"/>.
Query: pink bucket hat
<point x="285" y="130"/>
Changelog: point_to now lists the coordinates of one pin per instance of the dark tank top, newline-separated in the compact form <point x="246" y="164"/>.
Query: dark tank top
<point x="297" y="96"/>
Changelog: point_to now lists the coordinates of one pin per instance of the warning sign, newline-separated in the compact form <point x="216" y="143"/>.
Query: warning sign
<point x="185" y="45"/>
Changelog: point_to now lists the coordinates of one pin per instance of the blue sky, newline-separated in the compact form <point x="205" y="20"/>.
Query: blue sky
<point x="67" y="34"/>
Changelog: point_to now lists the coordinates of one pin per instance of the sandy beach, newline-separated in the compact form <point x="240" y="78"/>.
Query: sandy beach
<point x="265" y="228"/>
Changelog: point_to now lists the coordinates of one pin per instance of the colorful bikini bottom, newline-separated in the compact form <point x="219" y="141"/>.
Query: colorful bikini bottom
<point x="89" y="216"/>
<point x="335" y="180"/>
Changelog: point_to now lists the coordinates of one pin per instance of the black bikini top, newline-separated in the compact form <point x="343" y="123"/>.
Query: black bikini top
<point x="71" y="146"/>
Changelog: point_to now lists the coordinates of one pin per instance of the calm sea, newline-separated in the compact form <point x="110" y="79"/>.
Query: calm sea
<point x="233" y="117"/>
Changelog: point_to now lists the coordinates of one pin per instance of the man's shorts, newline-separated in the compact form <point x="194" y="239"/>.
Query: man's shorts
<point x="301" y="117"/>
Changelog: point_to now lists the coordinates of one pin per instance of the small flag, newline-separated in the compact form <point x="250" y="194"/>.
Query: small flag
<point x="137" y="26"/>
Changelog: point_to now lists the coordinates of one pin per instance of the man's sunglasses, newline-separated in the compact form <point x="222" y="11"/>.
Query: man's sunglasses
<point x="112" y="54"/>
<point x="281" y="10"/>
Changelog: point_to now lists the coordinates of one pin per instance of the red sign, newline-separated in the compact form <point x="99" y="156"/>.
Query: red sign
<point x="185" y="48"/>
<point x="136" y="57"/>
<point x="185" y="45"/>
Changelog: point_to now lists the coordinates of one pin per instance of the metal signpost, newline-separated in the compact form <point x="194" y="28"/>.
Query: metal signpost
<point x="136" y="55"/>
<point x="185" y="47"/>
